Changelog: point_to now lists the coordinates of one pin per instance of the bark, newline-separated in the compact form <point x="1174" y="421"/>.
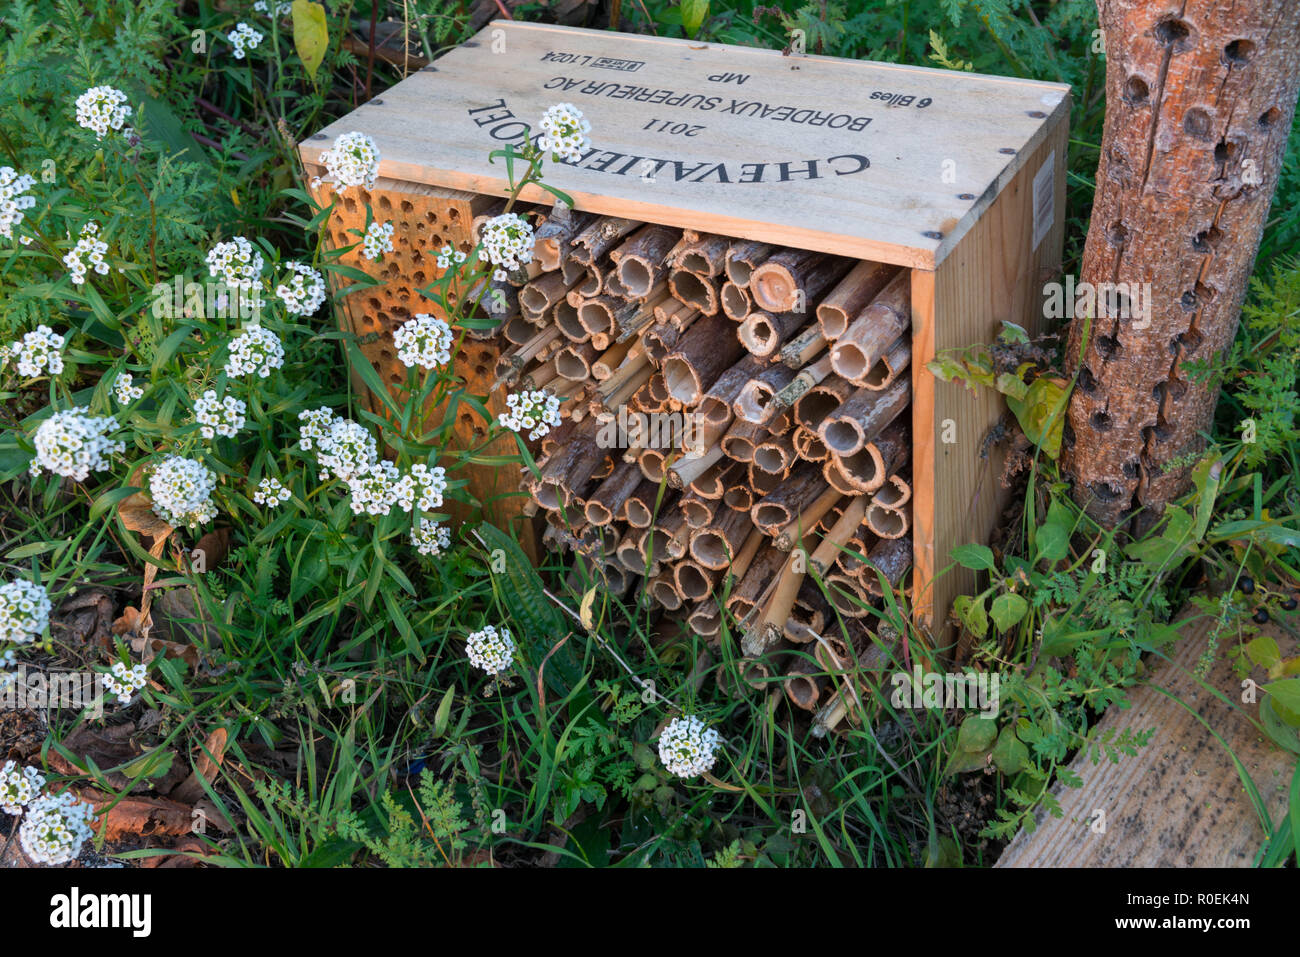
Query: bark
<point x="1200" y="103"/>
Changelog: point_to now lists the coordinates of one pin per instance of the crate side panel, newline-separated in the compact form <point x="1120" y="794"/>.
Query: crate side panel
<point x="995" y="273"/>
<point x="860" y="159"/>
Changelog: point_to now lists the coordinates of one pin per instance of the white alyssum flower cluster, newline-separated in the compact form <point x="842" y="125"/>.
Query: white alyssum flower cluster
<point x="345" y="449"/>
<point x="24" y="611"/>
<point x="255" y="350"/>
<point x="219" y="416"/>
<point x="536" y="409"/>
<point x="18" y="788"/>
<point x="12" y="200"/>
<point x="687" y="747"/>
<point x="236" y="263"/>
<point x="448" y="256"/>
<point x="490" y="649"/>
<point x="281" y="9"/>
<point x="352" y="161"/>
<point x="125" y="390"/>
<point x="430" y="538"/>
<point x="181" y="490"/>
<point x="508" y="243"/>
<point x="423" y="340"/>
<point x="55" y="827"/>
<point x="564" y="132"/>
<point x="373" y="488"/>
<point x="102" y="108"/>
<point x="304" y="290"/>
<point x="421" y="488"/>
<point x="124" y="682"/>
<point x="271" y="493"/>
<point x="74" y="443"/>
<point x="377" y="240"/>
<point x="243" y="38"/>
<point x="40" y="352"/>
<point x="92" y="248"/>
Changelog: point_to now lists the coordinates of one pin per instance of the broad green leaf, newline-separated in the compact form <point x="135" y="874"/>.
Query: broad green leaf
<point x="1264" y="651"/>
<point x="1007" y="610"/>
<point x="976" y="734"/>
<point x="978" y="557"/>
<point x="1041" y="413"/>
<point x="694" y="13"/>
<point x="443" y="714"/>
<point x="311" y="35"/>
<point x="1286" y="693"/>
<point x="1010" y="754"/>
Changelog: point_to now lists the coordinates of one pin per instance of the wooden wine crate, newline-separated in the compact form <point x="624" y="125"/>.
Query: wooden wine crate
<point x="956" y="176"/>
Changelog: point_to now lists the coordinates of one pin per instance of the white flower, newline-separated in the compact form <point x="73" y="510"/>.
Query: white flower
<point x="255" y="350"/>
<point x="346" y="449"/>
<point x="12" y="200"/>
<point x="422" y="487"/>
<point x="315" y="425"/>
<point x="125" y="682"/>
<point x="102" y="108"/>
<point x="490" y="650"/>
<point x="181" y="490"/>
<point x="24" y="612"/>
<point x="564" y="132"/>
<point x="374" y="488"/>
<point x="126" y="392"/>
<point x="281" y="9"/>
<point x="244" y="38"/>
<point x="508" y="243"/>
<point x="303" y="292"/>
<point x="424" y="341"/>
<point x="19" y="788"/>
<point x="537" y="410"/>
<point x="430" y="538"/>
<point x="55" y="827"/>
<point x="236" y="263"/>
<point x="92" y="248"/>
<point x="377" y="241"/>
<point x="39" y="352"/>
<point x="270" y="492"/>
<point x="447" y="256"/>
<point x="687" y="748"/>
<point x="74" y="443"/>
<point x="224" y="416"/>
<point x="353" y="161"/>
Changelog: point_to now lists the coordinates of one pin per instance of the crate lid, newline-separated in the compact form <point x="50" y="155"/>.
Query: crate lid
<point x="870" y="160"/>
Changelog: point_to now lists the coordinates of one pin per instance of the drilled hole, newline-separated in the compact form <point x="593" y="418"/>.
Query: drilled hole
<point x="1268" y="119"/>
<point x="1087" y="381"/>
<point x="1106" y="492"/>
<point x="1131" y="469"/>
<point x="1117" y="235"/>
<point x="1136" y="91"/>
<point x="1172" y="32"/>
<point x="1108" y="347"/>
<point x="1206" y="240"/>
<point x="1239" y="52"/>
<point x="385" y="203"/>
<point x="1187" y="301"/>
<point x="1197" y="123"/>
<point x="407" y="206"/>
<point x="1101" y="421"/>
<point x="1225" y="152"/>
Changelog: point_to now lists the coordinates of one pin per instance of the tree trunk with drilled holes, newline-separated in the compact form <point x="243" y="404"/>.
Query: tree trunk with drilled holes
<point x="1198" y="107"/>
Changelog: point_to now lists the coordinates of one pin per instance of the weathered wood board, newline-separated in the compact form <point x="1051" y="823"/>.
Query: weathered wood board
<point x="1180" y="802"/>
<point x="869" y="160"/>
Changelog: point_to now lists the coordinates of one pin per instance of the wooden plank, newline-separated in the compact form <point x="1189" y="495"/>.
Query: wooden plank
<point x="996" y="273"/>
<point x="869" y="160"/>
<point x="424" y="218"/>
<point x="1180" y="802"/>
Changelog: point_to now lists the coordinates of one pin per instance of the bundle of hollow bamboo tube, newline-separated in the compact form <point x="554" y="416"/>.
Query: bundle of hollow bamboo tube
<point x="735" y="418"/>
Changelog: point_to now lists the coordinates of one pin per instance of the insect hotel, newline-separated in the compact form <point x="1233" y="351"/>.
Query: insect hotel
<point x="764" y="251"/>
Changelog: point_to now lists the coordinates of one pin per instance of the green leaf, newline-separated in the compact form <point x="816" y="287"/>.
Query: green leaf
<point x="976" y="734"/>
<point x="154" y="764"/>
<point x="1040" y="413"/>
<point x="694" y="13"/>
<point x="1010" y="754"/>
<point x="971" y="612"/>
<point x="443" y="714"/>
<point x="1264" y="651"/>
<point x="1286" y="693"/>
<point x="1007" y="610"/>
<point x="311" y="35"/>
<point x="1052" y="540"/>
<point x="978" y="557"/>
